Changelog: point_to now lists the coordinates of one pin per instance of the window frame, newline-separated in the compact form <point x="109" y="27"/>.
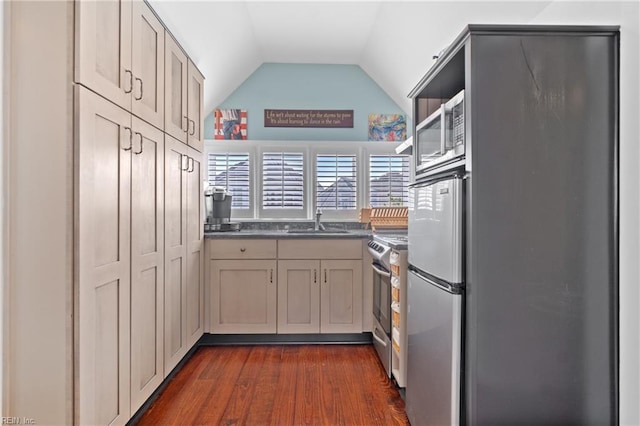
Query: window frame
<point x="235" y="147"/>
<point x="309" y="149"/>
<point x="333" y="149"/>
<point x="368" y="178"/>
<point x="283" y="214"/>
<point x="380" y="150"/>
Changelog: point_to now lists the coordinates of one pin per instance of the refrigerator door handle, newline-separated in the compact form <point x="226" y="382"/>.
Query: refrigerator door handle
<point x="452" y="288"/>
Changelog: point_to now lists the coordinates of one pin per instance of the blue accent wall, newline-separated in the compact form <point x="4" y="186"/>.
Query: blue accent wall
<point x="309" y="86"/>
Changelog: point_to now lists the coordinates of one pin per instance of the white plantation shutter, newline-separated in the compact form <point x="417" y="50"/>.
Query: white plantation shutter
<point x="232" y="171"/>
<point x="283" y="180"/>
<point x="336" y="184"/>
<point x="388" y="180"/>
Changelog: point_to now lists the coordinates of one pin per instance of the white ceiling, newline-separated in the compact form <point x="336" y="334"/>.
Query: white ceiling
<point x="392" y="41"/>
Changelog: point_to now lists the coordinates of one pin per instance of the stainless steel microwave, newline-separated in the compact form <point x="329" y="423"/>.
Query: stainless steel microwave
<point x="440" y="137"/>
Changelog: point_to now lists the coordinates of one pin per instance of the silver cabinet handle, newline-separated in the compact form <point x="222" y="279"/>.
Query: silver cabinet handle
<point x="130" y="81"/>
<point x="182" y="166"/>
<point x="130" y="139"/>
<point x="271" y="275"/>
<point x="315" y="276"/>
<point x="192" y="167"/>
<point x="141" y="89"/>
<point x="186" y="120"/>
<point x="139" y="152"/>
<point x="242" y="250"/>
<point x="325" y="276"/>
<point x="194" y="127"/>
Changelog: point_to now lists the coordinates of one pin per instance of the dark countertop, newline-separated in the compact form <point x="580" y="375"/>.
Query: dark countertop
<point x="282" y="235"/>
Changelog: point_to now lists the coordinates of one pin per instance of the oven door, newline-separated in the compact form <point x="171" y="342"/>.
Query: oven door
<point x="382" y="297"/>
<point x="382" y="315"/>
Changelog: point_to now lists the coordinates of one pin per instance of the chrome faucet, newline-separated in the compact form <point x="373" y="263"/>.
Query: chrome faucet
<point x="318" y="226"/>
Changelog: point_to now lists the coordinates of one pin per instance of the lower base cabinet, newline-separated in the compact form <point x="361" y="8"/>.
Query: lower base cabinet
<point x="288" y="286"/>
<point x="319" y="296"/>
<point x="243" y="296"/>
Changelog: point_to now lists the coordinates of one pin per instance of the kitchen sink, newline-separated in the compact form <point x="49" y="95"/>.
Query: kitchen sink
<point x="317" y="231"/>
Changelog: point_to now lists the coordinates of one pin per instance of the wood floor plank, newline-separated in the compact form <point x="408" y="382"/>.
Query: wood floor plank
<point x="285" y="398"/>
<point x="280" y="385"/>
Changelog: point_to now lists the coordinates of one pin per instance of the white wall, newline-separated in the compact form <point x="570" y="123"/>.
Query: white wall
<point x="627" y="15"/>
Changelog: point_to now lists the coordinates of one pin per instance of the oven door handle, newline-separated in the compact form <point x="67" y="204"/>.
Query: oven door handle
<point x="375" y="336"/>
<point x="381" y="272"/>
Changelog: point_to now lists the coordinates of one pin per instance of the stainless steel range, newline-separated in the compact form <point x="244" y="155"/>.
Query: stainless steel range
<point x="381" y="248"/>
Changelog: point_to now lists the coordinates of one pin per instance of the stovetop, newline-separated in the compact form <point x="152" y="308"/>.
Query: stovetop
<point x="395" y="241"/>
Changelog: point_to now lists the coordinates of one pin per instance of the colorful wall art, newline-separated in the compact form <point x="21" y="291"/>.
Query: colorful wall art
<point x="230" y="124"/>
<point x="387" y="127"/>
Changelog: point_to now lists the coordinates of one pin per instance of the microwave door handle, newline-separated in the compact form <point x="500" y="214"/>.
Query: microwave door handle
<point x="381" y="272"/>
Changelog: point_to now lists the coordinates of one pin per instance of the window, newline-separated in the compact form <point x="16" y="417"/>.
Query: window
<point x="336" y="184"/>
<point x="388" y="180"/>
<point x="232" y="171"/>
<point x="283" y="180"/>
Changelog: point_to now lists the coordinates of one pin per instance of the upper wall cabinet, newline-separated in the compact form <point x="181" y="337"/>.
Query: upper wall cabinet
<point x="175" y="108"/>
<point x="148" y="65"/>
<point x="120" y="55"/>
<point x="195" y="107"/>
<point x="103" y="49"/>
<point x="184" y="104"/>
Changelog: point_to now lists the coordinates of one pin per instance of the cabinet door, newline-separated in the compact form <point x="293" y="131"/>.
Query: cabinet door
<point x="148" y="58"/>
<point x="195" y="107"/>
<point x="103" y="49"/>
<point x="103" y="152"/>
<point x="195" y="249"/>
<point x="298" y="296"/>
<point x="147" y="261"/>
<point x="243" y="296"/>
<point x="175" y="76"/>
<point x="175" y="276"/>
<point x="341" y="296"/>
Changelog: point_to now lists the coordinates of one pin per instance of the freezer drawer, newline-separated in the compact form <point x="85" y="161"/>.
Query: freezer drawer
<point x="435" y="228"/>
<point x="434" y="353"/>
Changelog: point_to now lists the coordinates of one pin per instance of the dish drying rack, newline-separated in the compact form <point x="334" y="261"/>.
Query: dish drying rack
<point x="385" y="217"/>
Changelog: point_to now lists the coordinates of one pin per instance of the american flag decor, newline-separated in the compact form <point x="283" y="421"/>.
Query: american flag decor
<point x="230" y="124"/>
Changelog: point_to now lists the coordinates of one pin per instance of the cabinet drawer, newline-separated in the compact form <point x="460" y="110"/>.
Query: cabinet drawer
<point x="320" y="249"/>
<point x="242" y="249"/>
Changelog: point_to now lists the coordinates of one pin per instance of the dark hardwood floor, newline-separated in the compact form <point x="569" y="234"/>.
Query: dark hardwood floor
<point x="280" y="385"/>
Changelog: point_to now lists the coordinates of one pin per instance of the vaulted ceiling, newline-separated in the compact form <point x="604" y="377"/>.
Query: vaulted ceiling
<point x="392" y="41"/>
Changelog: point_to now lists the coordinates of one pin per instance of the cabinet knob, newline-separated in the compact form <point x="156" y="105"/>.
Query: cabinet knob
<point x="243" y="249"/>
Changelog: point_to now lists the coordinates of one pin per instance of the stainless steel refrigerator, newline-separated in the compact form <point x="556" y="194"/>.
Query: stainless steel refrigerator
<point x="527" y="215"/>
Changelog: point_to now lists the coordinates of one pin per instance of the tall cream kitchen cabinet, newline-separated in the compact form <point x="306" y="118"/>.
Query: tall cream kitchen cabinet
<point x="120" y="55"/>
<point x="120" y="260"/>
<point x="147" y="261"/>
<point x="184" y="102"/>
<point x="88" y="184"/>
<point x="103" y="289"/>
<point x="184" y="299"/>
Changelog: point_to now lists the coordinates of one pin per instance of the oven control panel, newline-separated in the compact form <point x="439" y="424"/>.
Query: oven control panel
<point x="376" y="247"/>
